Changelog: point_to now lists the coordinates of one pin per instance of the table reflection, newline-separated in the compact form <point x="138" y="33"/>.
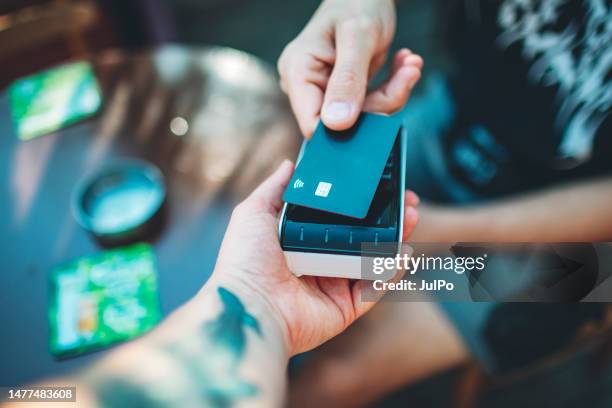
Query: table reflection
<point x="212" y="119"/>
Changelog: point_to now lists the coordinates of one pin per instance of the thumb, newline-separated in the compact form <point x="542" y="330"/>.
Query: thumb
<point x="348" y="82"/>
<point x="268" y="195"/>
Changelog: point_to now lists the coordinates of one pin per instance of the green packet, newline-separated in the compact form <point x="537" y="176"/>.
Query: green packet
<point x="51" y="100"/>
<point x="103" y="299"/>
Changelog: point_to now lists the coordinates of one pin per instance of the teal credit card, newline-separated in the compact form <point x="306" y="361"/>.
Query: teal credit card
<point x="340" y="171"/>
<point x="102" y="299"/>
<point x="48" y="101"/>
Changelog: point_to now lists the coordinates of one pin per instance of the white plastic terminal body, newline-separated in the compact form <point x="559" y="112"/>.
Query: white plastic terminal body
<point x="320" y="264"/>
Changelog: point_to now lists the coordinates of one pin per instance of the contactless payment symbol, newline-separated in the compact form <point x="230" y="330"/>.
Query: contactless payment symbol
<point x="323" y="189"/>
<point x="298" y="183"/>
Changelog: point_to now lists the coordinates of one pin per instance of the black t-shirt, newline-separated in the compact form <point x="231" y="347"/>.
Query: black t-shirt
<point x="533" y="89"/>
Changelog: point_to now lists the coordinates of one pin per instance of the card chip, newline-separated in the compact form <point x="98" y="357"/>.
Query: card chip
<point x="323" y="189"/>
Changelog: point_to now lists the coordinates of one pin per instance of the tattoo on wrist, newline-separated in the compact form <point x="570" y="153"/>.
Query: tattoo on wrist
<point x="211" y="360"/>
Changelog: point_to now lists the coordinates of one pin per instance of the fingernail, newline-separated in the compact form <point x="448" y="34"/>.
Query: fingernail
<point x="285" y="163"/>
<point x="411" y="215"/>
<point x="412" y="59"/>
<point x="337" y="111"/>
<point x="413" y="197"/>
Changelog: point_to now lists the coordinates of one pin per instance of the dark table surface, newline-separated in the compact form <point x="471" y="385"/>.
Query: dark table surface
<point x="239" y="128"/>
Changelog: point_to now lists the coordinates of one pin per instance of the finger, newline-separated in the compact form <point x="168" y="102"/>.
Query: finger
<point x="268" y="196"/>
<point x="377" y="63"/>
<point x="304" y="81"/>
<point x="392" y="95"/>
<point x="399" y="57"/>
<point x="404" y="57"/>
<point x="347" y="84"/>
<point x="411" y="219"/>
<point x="414" y="60"/>
<point x="338" y="290"/>
<point x="411" y="199"/>
<point x="306" y="100"/>
<point x="363" y="288"/>
<point x="362" y="306"/>
<point x="379" y="60"/>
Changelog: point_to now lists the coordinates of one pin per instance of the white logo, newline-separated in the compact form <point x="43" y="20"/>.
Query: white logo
<point x="298" y="183"/>
<point x="323" y="189"/>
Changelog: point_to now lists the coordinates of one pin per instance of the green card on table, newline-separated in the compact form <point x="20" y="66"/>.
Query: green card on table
<point x="103" y="299"/>
<point x="50" y="100"/>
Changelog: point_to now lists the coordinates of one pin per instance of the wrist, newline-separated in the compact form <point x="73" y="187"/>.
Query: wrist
<point x="256" y="303"/>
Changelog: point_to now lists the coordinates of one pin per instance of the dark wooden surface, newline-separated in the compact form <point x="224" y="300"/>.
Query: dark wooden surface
<point x="240" y="128"/>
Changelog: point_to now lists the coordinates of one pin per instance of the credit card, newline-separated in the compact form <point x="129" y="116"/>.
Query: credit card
<point x="50" y="100"/>
<point x="99" y="300"/>
<point x="339" y="171"/>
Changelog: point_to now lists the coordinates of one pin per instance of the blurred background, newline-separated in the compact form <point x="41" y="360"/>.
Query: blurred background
<point x="186" y="88"/>
<point x="65" y="29"/>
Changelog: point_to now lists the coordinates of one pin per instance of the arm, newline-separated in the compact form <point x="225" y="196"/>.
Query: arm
<point x="570" y="213"/>
<point x="230" y="344"/>
<point x="210" y="352"/>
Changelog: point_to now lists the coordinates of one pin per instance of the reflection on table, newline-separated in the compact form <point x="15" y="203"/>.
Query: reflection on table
<point x="212" y="119"/>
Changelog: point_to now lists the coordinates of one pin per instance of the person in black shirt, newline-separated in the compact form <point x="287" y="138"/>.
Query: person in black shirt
<point x="513" y="146"/>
